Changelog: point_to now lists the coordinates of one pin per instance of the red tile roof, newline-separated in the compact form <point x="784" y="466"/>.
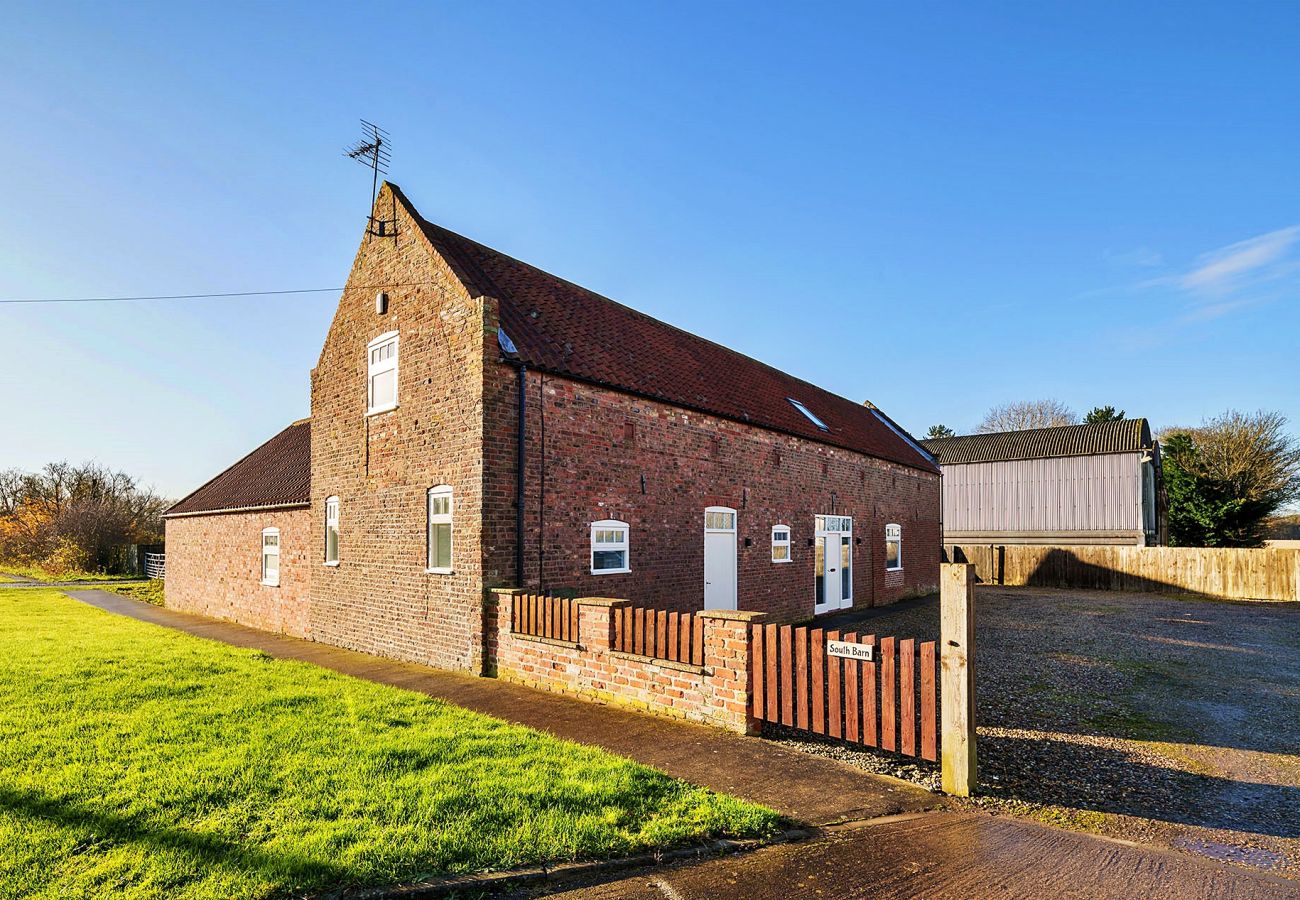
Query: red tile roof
<point x="276" y="474"/>
<point x="568" y="330"/>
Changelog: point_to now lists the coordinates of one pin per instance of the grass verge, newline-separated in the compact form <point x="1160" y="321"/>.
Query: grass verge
<point x="149" y="591"/>
<point x="41" y="574"/>
<point x="142" y="762"/>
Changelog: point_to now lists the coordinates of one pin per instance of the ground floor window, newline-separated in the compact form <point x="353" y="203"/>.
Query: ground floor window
<point x="440" y="511"/>
<point x="780" y="543"/>
<point x="609" y="547"/>
<point x="893" y="547"/>
<point x="271" y="557"/>
<point x="332" y="531"/>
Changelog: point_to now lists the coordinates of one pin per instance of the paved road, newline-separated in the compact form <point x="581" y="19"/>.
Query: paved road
<point x="946" y="855"/>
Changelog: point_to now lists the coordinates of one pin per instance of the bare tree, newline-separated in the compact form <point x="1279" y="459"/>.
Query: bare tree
<point x="1251" y="455"/>
<point x="1027" y="414"/>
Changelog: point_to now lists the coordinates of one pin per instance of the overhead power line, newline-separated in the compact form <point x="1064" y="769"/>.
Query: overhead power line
<point x="333" y="290"/>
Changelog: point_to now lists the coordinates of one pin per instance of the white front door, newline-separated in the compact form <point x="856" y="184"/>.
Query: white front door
<point x="719" y="558"/>
<point x="833" y="564"/>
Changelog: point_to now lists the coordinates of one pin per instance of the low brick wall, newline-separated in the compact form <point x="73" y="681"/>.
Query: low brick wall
<point x="716" y="693"/>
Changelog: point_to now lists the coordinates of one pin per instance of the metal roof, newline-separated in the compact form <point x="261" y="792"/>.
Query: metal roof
<point x="1124" y="436"/>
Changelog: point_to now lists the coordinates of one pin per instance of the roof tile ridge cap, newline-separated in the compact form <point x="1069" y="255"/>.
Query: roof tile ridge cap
<point x="233" y="465"/>
<point x="471" y="277"/>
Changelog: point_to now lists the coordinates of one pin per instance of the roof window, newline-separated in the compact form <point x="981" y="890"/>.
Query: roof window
<point x="808" y="412"/>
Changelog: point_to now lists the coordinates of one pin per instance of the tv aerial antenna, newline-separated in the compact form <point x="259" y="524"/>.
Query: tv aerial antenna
<point x="373" y="151"/>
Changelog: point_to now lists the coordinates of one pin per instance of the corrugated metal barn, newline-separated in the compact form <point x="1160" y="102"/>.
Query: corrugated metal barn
<point x="1099" y="483"/>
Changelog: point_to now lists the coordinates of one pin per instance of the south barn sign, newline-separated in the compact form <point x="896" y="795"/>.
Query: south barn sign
<point x="848" y="650"/>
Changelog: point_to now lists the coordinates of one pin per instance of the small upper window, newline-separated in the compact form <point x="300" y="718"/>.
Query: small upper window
<point x="893" y="547"/>
<point x="609" y="547"/>
<point x="271" y="557"/>
<point x="440" y="530"/>
<point x="332" y="531"/>
<point x="780" y="543"/>
<point x="381" y="390"/>
<point x="809" y="413"/>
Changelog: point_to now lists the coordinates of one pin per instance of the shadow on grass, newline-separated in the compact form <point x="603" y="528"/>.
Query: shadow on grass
<point x="206" y="850"/>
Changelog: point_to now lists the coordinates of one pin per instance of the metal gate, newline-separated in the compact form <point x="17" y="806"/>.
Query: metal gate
<point x="798" y="683"/>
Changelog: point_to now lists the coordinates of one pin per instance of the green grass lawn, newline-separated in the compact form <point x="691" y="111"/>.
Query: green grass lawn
<point x="138" y="761"/>
<point x="149" y="591"/>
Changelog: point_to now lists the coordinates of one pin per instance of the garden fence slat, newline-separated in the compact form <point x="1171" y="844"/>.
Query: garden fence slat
<point x="818" y="681"/>
<point x="697" y="641"/>
<point x="834" y="711"/>
<point x="852" y="702"/>
<point x="758" y="670"/>
<point x="801" y="677"/>
<point x="888" y="695"/>
<point x="928" y="701"/>
<point x="870" y="727"/>
<point x="907" y="696"/>
<point x="787" y="674"/>
<point x="772" y="712"/>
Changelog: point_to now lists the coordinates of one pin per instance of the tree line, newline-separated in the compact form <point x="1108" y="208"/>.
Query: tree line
<point x="1225" y="480"/>
<point x="70" y="518"/>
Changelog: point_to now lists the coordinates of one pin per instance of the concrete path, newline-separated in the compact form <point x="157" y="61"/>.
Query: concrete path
<point x="809" y="789"/>
<point x="946" y="855"/>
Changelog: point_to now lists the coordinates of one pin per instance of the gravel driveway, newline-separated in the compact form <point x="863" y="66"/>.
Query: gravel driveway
<point x="1166" y="720"/>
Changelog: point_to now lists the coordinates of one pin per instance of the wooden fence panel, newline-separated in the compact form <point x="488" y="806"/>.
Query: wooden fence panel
<point x="928" y="705"/>
<point x="818" y="664"/>
<point x="834" y="707"/>
<point x="1229" y="573"/>
<point x="801" y="677"/>
<point x="852" y="702"/>
<point x="786" y="636"/>
<point x="870" y="726"/>
<point x="888" y="696"/>
<point x="758" y="670"/>
<point x="907" y="696"/>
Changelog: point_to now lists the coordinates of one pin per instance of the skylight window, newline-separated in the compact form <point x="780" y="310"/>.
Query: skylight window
<point x="808" y="412"/>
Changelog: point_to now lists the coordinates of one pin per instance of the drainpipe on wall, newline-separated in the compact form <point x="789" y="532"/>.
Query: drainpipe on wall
<point x="519" y="481"/>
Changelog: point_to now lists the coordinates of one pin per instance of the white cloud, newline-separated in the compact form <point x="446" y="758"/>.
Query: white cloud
<point x="1237" y="265"/>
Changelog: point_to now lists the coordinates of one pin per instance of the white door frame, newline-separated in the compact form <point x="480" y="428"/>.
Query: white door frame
<point x="715" y="525"/>
<point x="831" y="531"/>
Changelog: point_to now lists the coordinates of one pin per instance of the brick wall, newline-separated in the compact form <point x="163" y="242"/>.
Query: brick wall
<point x="595" y="453"/>
<point x="214" y="568"/>
<point x="716" y="693"/>
<point x="379" y="598"/>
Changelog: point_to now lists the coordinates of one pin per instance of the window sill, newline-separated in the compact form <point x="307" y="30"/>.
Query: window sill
<point x="895" y="569"/>
<point x="332" y="565"/>
<point x="439" y="571"/>
<point x="611" y="571"/>
<point x="380" y="409"/>
<point x="781" y="561"/>
<point x="274" y="584"/>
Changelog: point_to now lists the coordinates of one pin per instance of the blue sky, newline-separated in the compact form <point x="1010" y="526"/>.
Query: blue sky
<point x="939" y="207"/>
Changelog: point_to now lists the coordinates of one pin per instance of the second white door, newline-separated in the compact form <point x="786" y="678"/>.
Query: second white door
<point x="719" y="558"/>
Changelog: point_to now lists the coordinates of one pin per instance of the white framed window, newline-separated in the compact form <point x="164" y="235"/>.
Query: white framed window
<point x="781" y="543"/>
<point x="332" y="531"/>
<point x="271" y="557"/>
<point x="610" y="553"/>
<point x="439" y="509"/>
<point x="381" y="381"/>
<point x="893" y="547"/>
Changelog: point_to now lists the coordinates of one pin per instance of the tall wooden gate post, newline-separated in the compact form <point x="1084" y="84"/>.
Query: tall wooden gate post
<point x="957" y="662"/>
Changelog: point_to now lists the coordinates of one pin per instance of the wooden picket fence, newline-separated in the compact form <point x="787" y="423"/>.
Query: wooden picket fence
<point x="799" y="685"/>
<point x="660" y="634"/>
<point x="541" y="616"/>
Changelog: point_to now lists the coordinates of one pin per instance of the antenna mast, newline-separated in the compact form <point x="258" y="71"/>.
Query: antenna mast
<point x="372" y="151"/>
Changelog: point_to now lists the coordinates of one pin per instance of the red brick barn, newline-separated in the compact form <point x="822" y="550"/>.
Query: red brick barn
<point x="656" y="466"/>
